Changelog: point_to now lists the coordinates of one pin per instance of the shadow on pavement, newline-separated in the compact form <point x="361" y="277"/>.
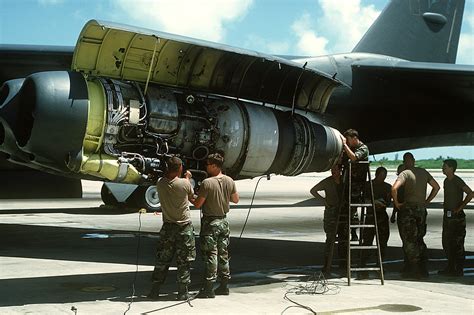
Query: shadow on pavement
<point x="254" y="262"/>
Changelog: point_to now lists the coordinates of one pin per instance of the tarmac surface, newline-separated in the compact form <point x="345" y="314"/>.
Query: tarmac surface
<point x="72" y="256"/>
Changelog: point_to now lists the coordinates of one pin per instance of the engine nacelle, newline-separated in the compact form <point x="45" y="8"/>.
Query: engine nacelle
<point x="121" y="131"/>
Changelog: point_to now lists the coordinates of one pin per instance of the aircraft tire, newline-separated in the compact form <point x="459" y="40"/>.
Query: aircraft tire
<point x="107" y="197"/>
<point x="147" y="197"/>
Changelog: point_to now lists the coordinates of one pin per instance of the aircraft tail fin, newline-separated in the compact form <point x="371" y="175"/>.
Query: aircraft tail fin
<point x="416" y="30"/>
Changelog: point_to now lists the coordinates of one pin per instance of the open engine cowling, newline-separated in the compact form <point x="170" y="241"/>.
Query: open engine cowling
<point x="117" y="131"/>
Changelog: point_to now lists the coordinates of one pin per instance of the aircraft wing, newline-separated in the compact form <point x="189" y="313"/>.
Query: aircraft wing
<point x="443" y="80"/>
<point x="125" y="52"/>
<point x="407" y="100"/>
<point x="19" y="61"/>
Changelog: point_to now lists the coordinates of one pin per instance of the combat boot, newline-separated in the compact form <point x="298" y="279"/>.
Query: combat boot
<point x="154" y="292"/>
<point x="447" y="271"/>
<point x="354" y="236"/>
<point x="222" y="289"/>
<point x="207" y="292"/>
<point x="457" y="272"/>
<point x="183" y="293"/>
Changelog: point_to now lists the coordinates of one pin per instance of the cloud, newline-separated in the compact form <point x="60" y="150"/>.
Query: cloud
<point x="348" y="23"/>
<point x="203" y="19"/>
<point x="466" y="42"/>
<point x="344" y="25"/>
<point x="309" y="43"/>
<point x="465" y="49"/>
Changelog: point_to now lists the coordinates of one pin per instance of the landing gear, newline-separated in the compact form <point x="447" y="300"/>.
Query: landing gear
<point x="107" y="197"/>
<point x="147" y="197"/>
<point x="130" y="196"/>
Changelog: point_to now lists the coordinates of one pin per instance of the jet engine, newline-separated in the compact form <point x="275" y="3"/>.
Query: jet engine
<point x="123" y="131"/>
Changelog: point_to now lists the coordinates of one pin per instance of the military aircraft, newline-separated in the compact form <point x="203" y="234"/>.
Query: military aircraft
<point x="124" y="99"/>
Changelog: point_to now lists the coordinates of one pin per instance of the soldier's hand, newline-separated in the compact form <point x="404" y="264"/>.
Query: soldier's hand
<point x="188" y="175"/>
<point x="343" y="139"/>
<point x="393" y="218"/>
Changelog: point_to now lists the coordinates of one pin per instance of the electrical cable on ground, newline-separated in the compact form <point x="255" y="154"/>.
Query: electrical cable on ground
<point x="192" y="297"/>
<point x="243" y="228"/>
<point x="136" y="260"/>
<point x="316" y="284"/>
<point x="251" y="203"/>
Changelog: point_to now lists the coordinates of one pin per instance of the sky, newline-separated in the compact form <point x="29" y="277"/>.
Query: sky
<point x="285" y="27"/>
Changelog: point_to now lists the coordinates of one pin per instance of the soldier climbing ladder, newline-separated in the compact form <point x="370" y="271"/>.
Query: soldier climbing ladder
<point x="354" y="197"/>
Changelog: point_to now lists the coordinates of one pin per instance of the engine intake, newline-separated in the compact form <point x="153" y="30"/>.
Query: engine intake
<point x="48" y="117"/>
<point x="110" y="130"/>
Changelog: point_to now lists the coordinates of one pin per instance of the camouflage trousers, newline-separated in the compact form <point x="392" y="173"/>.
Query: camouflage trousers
<point x="179" y="240"/>
<point x="412" y="225"/>
<point x="454" y="233"/>
<point x="214" y="241"/>
<point x="330" y="228"/>
<point x="343" y="230"/>
<point x="383" y="227"/>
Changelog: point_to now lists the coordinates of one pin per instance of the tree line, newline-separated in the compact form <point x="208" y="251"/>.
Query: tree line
<point x="427" y="163"/>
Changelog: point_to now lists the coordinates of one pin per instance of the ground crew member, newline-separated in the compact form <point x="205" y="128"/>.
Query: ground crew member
<point x="382" y="198"/>
<point x="215" y="193"/>
<point x="412" y="213"/>
<point x="354" y="150"/>
<point x="454" y="219"/>
<point x="332" y="187"/>
<point x="393" y="218"/>
<point x="177" y="232"/>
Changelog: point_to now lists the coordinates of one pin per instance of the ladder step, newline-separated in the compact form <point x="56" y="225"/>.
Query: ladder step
<point x="362" y="225"/>
<point x="365" y="269"/>
<point x="364" y="247"/>
<point x="355" y="201"/>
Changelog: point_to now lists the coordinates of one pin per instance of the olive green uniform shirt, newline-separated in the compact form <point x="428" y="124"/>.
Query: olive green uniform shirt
<point x="453" y="192"/>
<point x="174" y="199"/>
<point x="415" y="181"/>
<point x="332" y="191"/>
<point x="381" y="194"/>
<point x="217" y="191"/>
<point x="359" y="171"/>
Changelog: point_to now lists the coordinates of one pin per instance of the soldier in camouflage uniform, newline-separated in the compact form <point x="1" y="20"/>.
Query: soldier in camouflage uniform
<point x="382" y="199"/>
<point x="332" y="187"/>
<point x="177" y="232"/>
<point x="393" y="218"/>
<point x="214" y="196"/>
<point x="412" y="213"/>
<point x="454" y="219"/>
<point x="354" y="150"/>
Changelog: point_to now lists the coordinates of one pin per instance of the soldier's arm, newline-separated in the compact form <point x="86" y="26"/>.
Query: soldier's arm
<point x="201" y="198"/>
<point x="469" y="196"/>
<point x="350" y="154"/>
<point x="198" y="202"/>
<point x="315" y="192"/>
<point x="394" y="191"/>
<point x="235" y="197"/>
<point x="434" y="190"/>
<point x="388" y="196"/>
<point x="188" y="186"/>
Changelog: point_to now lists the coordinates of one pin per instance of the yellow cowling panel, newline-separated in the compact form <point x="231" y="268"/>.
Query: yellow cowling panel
<point x="107" y="167"/>
<point x="101" y="165"/>
<point x="129" y="53"/>
<point x="96" y="118"/>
